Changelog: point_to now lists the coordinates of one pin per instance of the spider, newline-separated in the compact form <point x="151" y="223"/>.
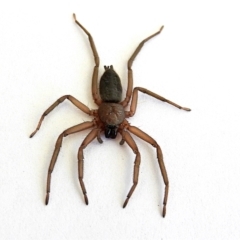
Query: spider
<point x="110" y="118"/>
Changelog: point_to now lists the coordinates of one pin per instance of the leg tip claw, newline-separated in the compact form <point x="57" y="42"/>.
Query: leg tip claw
<point x="74" y="17"/>
<point x="47" y="199"/>
<point x="186" y="109"/>
<point x="32" y="134"/>
<point x="125" y="203"/>
<point x="164" y="211"/>
<point x="86" y="199"/>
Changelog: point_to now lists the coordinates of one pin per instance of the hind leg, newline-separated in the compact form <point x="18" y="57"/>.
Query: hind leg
<point x="95" y="94"/>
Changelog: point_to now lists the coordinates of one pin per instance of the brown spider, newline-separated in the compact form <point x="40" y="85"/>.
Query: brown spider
<point x="110" y="117"/>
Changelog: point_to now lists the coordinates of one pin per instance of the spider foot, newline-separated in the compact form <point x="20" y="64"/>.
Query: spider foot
<point x="32" y="134"/>
<point x="122" y="141"/>
<point x="99" y="139"/>
<point x="164" y="211"/>
<point x="126" y="202"/>
<point x="74" y="17"/>
<point x="47" y="199"/>
<point x="86" y="199"/>
<point x="186" y="109"/>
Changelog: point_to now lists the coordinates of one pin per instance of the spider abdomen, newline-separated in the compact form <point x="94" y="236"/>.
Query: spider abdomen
<point x="110" y="86"/>
<point x="111" y="114"/>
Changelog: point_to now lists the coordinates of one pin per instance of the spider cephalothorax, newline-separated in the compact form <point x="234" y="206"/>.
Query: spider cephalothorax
<point x="110" y="118"/>
<point x="111" y="115"/>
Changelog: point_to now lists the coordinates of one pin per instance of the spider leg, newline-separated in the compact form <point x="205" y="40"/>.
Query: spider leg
<point x="71" y="130"/>
<point x="127" y="137"/>
<point x="133" y="105"/>
<point x="139" y="133"/>
<point x="72" y="99"/>
<point x="129" y="65"/>
<point x="89" y="138"/>
<point x="98" y="136"/>
<point x="95" y="94"/>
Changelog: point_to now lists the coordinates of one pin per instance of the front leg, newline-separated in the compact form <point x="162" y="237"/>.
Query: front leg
<point x="131" y="143"/>
<point x="72" y="99"/>
<point x="133" y="105"/>
<point x="88" y="139"/>
<point x="78" y="128"/>
<point x="145" y="137"/>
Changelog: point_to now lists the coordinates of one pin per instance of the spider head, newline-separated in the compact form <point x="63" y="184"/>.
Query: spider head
<point x="111" y="131"/>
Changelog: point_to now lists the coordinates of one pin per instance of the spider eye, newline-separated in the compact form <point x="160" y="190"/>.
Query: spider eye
<point x="110" y="131"/>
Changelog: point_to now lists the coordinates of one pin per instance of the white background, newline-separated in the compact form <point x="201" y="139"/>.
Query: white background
<point x="194" y="62"/>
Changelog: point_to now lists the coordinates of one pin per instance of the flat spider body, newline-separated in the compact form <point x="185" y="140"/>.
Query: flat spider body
<point x="110" y="118"/>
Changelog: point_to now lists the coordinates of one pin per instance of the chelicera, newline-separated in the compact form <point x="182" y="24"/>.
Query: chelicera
<point x="110" y="118"/>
